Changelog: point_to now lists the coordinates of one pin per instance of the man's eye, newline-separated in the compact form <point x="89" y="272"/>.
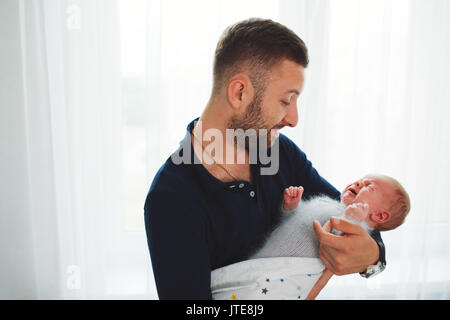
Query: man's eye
<point x="284" y="103"/>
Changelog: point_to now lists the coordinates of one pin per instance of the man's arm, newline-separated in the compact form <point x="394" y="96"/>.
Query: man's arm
<point x="305" y="175"/>
<point x="177" y="241"/>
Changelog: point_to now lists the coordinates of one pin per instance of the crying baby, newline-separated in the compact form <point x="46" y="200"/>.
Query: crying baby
<point x="375" y="202"/>
<point x="288" y="265"/>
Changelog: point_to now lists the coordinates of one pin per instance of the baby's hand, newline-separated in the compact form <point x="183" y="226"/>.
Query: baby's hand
<point x="357" y="211"/>
<point x="292" y="197"/>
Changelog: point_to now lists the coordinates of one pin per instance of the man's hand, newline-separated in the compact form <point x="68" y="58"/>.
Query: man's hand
<point x="353" y="252"/>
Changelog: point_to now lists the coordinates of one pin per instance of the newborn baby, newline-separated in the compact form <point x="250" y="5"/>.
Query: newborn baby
<point x="376" y="202"/>
<point x="287" y="266"/>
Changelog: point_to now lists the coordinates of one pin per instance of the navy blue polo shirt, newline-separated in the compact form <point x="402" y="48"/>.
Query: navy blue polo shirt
<point x="196" y="223"/>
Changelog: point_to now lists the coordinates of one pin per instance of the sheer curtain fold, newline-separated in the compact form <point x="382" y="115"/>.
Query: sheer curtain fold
<point x="83" y="49"/>
<point x="43" y="211"/>
<point x="72" y="117"/>
<point x="17" y="276"/>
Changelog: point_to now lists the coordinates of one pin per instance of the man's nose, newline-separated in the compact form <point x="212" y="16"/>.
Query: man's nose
<point x="291" y="118"/>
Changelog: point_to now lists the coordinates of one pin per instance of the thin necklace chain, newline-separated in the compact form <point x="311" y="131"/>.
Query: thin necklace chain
<point x="223" y="167"/>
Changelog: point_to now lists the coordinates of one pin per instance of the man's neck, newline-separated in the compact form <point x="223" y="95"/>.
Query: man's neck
<point x="213" y="122"/>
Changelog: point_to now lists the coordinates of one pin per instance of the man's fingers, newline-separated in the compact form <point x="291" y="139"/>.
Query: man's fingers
<point x="327" y="255"/>
<point x="326" y="260"/>
<point x="346" y="226"/>
<point x="327" y="238"/>
<point x="327" y="226"/>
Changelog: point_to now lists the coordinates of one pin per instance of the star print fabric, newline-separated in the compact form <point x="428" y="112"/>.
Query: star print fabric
<point x="280" y="278"/>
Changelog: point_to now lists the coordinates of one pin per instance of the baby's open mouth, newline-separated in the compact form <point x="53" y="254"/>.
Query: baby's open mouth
<point x="352" y="191"/>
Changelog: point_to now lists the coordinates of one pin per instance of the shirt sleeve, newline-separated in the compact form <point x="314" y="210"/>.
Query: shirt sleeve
<point x="304" y="174"/>
<point x="176" y="238"/>
<point x="377" y="237"/>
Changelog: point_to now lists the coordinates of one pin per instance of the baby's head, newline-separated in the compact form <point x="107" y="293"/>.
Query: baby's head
<point x="388" y="202"/>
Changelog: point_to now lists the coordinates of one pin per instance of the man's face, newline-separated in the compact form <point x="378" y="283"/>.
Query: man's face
<point x="276" y="107"/>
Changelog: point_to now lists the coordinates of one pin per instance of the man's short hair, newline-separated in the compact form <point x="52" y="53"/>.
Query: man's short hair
<point x="255" y="45"/>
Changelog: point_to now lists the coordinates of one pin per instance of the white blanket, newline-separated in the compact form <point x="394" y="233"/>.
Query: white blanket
<point x="279" y="278"/>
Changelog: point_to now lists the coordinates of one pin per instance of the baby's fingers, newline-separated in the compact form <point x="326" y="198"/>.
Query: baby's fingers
<point x="300" y="191"/>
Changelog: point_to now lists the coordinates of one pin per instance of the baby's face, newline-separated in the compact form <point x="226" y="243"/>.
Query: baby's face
<point x="373" y="190"/>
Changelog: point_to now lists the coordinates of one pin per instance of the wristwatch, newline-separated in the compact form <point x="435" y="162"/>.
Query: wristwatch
<point x="380" y="265"/>
<point x="373" y="270"/>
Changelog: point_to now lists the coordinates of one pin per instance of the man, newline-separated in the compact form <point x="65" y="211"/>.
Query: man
<point x="205" y="215"/>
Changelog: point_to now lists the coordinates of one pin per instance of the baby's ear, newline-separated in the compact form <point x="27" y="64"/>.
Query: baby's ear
<point x="380" y="216"/>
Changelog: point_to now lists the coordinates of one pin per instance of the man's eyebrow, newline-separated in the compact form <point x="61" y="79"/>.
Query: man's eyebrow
<point x="293" y="91"/>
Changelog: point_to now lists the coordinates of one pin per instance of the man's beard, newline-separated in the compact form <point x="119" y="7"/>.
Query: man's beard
<point x="253" y="119"/>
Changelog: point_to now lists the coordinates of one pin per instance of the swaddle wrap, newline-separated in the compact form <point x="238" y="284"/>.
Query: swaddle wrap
<point x="279" y="278"/>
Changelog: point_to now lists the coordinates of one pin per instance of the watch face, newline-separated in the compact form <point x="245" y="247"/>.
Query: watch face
<point x="373" y="270"/>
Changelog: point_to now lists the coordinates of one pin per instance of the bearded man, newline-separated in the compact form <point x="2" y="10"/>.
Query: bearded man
<point x="210" y="209"/>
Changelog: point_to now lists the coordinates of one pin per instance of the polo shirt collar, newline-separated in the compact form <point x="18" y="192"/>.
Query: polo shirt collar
<point x="208" y="181"/>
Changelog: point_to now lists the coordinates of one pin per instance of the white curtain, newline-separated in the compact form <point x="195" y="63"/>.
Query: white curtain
<point x="375" y="101"/>
<point x="68" y="115"/>
<point x="96" y="94"/>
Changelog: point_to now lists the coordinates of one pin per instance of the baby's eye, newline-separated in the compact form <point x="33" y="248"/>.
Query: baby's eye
<point x="284" y="103"/>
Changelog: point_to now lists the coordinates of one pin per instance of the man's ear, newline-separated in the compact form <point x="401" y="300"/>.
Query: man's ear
<point x="379" y="216"/>
<point x="240" y="91"/>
